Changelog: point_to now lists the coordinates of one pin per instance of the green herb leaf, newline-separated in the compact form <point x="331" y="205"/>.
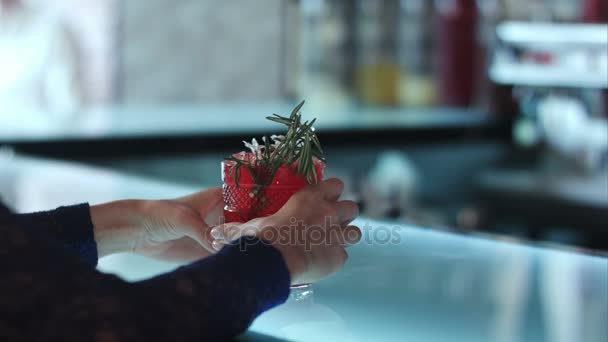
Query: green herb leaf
<point x="300" y="146"/>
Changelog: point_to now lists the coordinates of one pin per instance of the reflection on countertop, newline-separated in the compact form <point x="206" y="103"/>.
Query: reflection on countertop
<point x="401" y="283"/>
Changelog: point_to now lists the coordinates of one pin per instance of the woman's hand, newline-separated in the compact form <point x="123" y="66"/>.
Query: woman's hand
<point x="311" y="231"/>
<point x="172" y="230"/>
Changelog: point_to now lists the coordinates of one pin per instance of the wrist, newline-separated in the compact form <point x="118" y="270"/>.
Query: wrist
<point x="114" y="225"/>
<point x="295" y="258"/>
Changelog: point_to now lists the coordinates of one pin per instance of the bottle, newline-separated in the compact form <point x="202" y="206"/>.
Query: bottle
<point x="489" y="14"/>
<point x="377" y="68"/>
<point x="456" y="48"/>
<point x="595" y="11"/>
<point x="322" y="60"/>
<point x="417" y="87"/>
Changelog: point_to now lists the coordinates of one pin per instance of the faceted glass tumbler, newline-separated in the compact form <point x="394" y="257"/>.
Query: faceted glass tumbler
<point x="246" y="201"/>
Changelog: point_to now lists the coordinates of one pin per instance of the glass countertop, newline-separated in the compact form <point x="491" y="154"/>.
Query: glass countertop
<point x="434" y="286"/>
<point x="401" y="283"/>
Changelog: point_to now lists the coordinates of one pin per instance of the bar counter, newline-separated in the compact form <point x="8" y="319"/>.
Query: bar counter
<point x="401" y="283"/>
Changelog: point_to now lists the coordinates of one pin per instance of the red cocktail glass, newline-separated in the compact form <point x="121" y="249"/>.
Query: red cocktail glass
<point x="247" y="200"/>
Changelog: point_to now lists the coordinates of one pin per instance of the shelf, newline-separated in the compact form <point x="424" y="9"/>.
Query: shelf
<point x="161" y="129"/>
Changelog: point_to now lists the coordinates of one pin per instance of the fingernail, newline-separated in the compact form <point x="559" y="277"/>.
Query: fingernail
<point x="217" y="245"/>
<point x="216" y="233"/>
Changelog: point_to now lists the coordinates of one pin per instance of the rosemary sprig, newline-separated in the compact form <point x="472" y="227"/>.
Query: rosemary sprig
<point x="300" y="146"/>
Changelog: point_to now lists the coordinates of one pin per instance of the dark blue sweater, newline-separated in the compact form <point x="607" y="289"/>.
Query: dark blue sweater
<point x="50" y="290"/>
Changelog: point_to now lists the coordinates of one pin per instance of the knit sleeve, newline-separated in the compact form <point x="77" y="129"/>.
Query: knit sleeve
<point x="69" y="226"/>
<point x="46" y="294"/>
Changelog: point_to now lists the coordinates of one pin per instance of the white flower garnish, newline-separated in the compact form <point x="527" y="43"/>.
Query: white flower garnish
<point x="254" y="147"/>
<point x="277" y="140"/>
<point x="257" y="149"/>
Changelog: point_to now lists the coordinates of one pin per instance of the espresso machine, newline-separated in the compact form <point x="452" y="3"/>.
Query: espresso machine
<point x="557" y="181"/>
<point x="559" y="75"/>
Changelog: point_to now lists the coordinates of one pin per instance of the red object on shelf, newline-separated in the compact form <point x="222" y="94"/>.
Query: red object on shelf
<point x="456" y="51"/>
<point x="595" y="11"/>
<point x="242" y="204"/>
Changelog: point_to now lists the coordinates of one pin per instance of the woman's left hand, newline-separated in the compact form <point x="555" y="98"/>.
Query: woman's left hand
<point x="171" y="230"/>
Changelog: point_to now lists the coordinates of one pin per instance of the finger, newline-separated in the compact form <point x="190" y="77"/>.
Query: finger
<point x="352" y="235"/>
<point x="226" y="232"/>
<point x="344" y="236"/>
<point x="217" y="233"/>
<point x="325" y="261"/>
<point x="335" y="258"/>
<point x="331" y="188"/>
<point x="191" y="225"/>
<point x="341" y="256"/>
<point x="217" y="246"/>
<point x="215" y="215"/>
<point x="346" y="211"/>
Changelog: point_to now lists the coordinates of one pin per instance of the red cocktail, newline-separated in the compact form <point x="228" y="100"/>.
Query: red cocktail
<point x="260" y="182"/>
<point x="245" y="198"/>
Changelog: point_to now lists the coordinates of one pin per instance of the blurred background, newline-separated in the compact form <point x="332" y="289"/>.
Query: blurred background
<point x="480" y="117"/>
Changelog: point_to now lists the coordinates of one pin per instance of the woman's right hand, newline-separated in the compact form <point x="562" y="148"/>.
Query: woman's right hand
<point x="311" y="231"/>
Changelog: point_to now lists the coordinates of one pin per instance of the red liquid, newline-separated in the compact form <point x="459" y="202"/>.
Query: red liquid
<point x="456" y="46"/>
<point x="241" y="204"/>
